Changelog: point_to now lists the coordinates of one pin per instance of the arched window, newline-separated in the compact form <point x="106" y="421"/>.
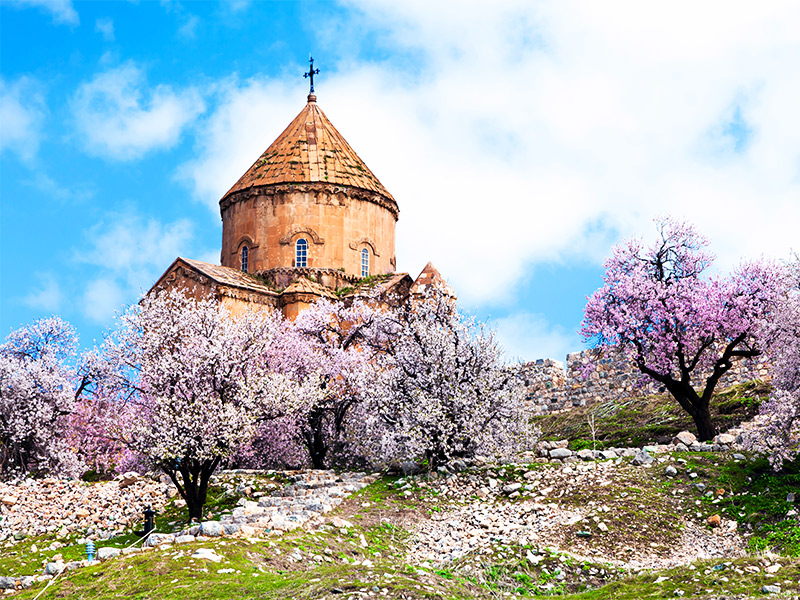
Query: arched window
<point x="365" y="263"/>
<point x="301" y="253"/>
<point x="245" y="257"/>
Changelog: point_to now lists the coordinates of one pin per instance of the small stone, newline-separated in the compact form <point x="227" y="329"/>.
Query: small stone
<point x="670" y="471"/>
<point x="584" y="534"/>
<point x="686" y="438"/>
<point x="602" y="526"/>
<point x="679" y="447"/>
<point x="790" y="497"/>
<point x="225" y="571"/>
<point x="739" y="457"/>
<point x="724" y="439"/>
<point x="9" y="500"/>
<point x="184" y="539"/>
<point x="608" y="454"/>
<point x="714" y="520"/>
<point x="773" y="568"/>
<point x="586" y="454"/>
<point x="511" y="488"/>
<point x="106" y="552"/>
<point x="642" y="459"/>
<point x="771" y="589"/>
<point x="207" y="554"/>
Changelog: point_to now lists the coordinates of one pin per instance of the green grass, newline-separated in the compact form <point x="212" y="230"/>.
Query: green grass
<point x="640" y="421"/>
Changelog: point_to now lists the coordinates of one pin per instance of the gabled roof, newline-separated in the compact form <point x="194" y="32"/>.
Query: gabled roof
<point x="222" y="275"/>
<point x="310" y="150"/>
<point x="430" y="276"/>
<point x="306" y="286"/>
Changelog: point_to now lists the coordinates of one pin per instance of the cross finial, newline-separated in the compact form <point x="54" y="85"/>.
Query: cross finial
<point x="311" y="72"/>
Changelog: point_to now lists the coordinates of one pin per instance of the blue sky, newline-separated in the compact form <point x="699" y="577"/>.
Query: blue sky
<point x="520" y="140"/>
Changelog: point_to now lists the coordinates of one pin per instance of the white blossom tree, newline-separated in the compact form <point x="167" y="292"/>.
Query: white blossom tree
<point x="39" y="388"/>
<point x="448" y="394"/>
<point x="189" y="384"/>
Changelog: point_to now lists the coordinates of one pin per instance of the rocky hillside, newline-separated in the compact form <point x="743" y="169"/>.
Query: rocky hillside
<point x="679" y="519"/>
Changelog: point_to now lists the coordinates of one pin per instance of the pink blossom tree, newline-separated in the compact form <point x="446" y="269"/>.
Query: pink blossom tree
<point x="681" y="328"/>
<point x="447" y="393"/>
<point x="777" y="427"/>
<point x="187" y="385"/>
<point x="39" y="389"/>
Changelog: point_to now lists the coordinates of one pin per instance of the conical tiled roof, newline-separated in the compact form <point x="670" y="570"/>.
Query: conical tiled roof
<point x="310" y="150"/>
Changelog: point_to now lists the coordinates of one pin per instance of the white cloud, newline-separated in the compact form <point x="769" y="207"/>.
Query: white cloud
<point x="527" y="133"/>
<point x="128" y="253"/>
<point x="189" y="28"/>
<point x="47" y="296"/>
<point x="119" y="117"/>
<point x="62" y="11"/>
<point x="249" y="116"/>
<point x="102" y="299"/>
<point x="105" y="27"/>
<point x="530" y="336"/>
<point x="22" y="112"/>
<point x="135" y="250"/>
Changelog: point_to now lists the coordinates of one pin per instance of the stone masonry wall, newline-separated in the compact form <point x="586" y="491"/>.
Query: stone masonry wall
<point x="553" y="386"/>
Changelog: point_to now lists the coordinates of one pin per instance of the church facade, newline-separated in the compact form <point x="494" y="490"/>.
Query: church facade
<point x="308" y="220"/>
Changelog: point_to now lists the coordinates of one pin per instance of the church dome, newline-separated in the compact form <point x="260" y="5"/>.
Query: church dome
<point x="309" y="202"/>
<point x="309" y="150"/>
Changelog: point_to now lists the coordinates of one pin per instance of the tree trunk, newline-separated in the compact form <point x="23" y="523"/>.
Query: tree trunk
<point x="314" y="439"/>
<point x="696" y="406"/>
<point x="193" y="486"/>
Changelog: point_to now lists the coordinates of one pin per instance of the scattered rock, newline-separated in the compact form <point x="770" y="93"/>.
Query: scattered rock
<point x="211" y="528"/>
<point x="670" y="471"/>
<point x="560" y="453"/>
<point x="207" y="554"/>
<point x="511" y="488"/>
<point x="643" y="459"/>
<point x="687" y="438"/>
<point x="771" y="589"/>
<point x="107" y="552"/>
<point x="714" y="520"/>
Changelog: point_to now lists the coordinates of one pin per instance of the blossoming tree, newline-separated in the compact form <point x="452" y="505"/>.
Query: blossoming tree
<point x="448" y="394"/>
<point x="188" y="384"/>
<point x="681" y="328"/>
<point x="778" y="425"/>
<point x="341" y="353"/>
<point x="39" y="388"/>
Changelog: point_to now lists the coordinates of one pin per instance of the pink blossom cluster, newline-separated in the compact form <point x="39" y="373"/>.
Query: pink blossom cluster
<point x="676" y="323"/>
<point x="777" y="430"/>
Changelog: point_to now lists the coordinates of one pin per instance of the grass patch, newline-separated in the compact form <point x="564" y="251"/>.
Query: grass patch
<point x="640" y="421"/>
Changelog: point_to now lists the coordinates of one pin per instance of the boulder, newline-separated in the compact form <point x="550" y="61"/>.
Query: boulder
<point x="687" y="438"/>
<point x="211" y="528"/>
<point x="607" y="454"/>
<point x="409" y="467"/>
<point x="559" y="444"/>
<point x="724" y="439"/>
<point x="560" y="453"/>
<point x="128" y="478"/>
<point x="642" y="459"/>
<point x="681" y="447"/>
<point x="586" y="454"/>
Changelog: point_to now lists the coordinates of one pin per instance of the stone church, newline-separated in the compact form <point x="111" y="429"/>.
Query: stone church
<point x="308" y="220"/>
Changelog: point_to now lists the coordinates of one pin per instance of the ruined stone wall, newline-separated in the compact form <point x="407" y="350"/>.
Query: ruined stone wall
<point x="593" y="375"/>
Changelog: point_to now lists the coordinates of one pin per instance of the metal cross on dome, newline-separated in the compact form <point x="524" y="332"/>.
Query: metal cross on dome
<point x="311" y="72"/>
